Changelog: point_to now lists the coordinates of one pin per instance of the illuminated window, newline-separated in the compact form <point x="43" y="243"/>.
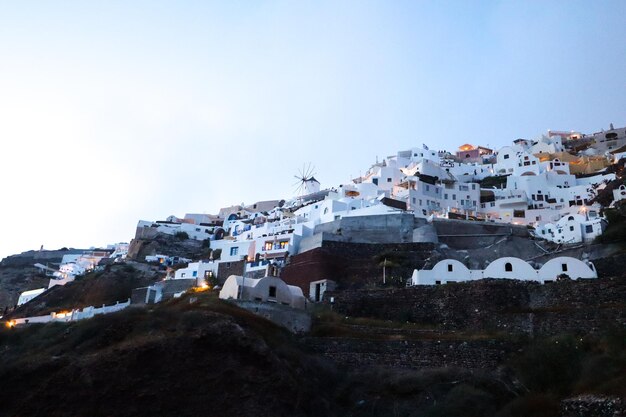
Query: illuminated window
<point x="268" y="246"/>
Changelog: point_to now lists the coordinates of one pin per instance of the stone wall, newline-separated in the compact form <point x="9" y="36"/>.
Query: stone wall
<point x="413" y="354"/>
<point x="354" y="265"/>
<point x="496" y="305"/>
<point x="593" y="406"/>
<point x="226" y="269"/>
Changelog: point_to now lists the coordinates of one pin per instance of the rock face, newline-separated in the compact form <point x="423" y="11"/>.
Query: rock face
<point x="149" y="242"/>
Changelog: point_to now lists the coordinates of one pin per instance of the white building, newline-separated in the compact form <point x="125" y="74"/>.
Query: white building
<point x="201" y="271"/>
<point x="450" y="270"/>
<point x="267" y="289"/>
<point x="26" y="296"/>
<point x="572" y="228"/>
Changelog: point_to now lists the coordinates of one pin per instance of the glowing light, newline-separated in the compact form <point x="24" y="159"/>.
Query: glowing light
<point x="10" y="324"/>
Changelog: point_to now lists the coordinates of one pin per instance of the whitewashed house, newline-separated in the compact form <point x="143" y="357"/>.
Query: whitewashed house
<point x="268" y="289"/>
<point x="619" y="193"/>
<point x="201" y="271"/>
<point x="450" y="270"/>
<point x="572" y="228"/>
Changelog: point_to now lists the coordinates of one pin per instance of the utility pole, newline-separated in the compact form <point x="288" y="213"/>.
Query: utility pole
<point x="384" y="265"/>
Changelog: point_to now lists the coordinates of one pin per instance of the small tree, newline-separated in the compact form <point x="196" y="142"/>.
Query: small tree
<point x="217" y="254"/>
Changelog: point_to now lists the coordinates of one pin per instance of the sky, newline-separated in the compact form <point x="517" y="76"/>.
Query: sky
<point x="116" y="111"/>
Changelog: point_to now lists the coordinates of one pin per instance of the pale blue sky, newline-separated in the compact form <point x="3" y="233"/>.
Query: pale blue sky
<point x="116" y="111"/>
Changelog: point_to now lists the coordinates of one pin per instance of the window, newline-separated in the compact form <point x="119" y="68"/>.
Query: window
<point x="375" y="181"/>
<point x="508" y="267"/>
<point x="182" y="275"/>
<point x="194" y="274"/>
<point x="454" y="196"/>
<point x="588" y="228"/>
<point x="564" y="267"/>
<point x="427" y="188"/>
<point x="234" y="250"/>
<point x="506" y="156"/>
<point x="388" y="179"/>
<point x="414" y="200"/>
<point x="437" y="282"/>
<point x="445" y="196"/>
<point x="449" y="267"/>
<point x="272" y="292"/>
<point x="571" y="228"/>
<point x="268" y="246"/>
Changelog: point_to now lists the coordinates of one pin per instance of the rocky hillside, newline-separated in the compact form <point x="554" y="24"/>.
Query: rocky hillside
<point x="149" y="242"/>
<point x="114" y="283"/>
<point x="199" y="356"/>
<point x="18" y="274"/>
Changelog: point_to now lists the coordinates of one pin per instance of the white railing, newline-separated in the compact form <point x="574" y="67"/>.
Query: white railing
<point x="73" y="315"/>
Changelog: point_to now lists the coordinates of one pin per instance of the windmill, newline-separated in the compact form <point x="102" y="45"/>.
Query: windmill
<point x="306" y="184"/>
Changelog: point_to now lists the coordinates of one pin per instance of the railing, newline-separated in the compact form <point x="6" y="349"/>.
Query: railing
<point x="73" y="315"/>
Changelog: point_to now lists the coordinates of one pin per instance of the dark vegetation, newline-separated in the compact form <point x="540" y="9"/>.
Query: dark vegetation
<point x="616" y="229"/>
<point x="497" y="181"/>
<point x="200" y="356"/>
<point x="196" y="356"/>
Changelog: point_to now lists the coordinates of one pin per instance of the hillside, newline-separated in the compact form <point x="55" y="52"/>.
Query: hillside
<point x="114" y="283"/>
<point x="18" y="274"/>
<point x="200" y="356"/>
<point x="180" y="359"/>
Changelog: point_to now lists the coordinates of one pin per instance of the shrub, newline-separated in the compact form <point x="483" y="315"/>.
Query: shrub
<point x="181" y="235"/>
<point x="550" y="365"/>
<point x="464" y="401"/>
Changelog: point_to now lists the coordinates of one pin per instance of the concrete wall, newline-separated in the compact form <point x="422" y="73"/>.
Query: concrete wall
<point x="74" y="315"/>
<point x="394" y="228"/>
<point x="296" y="321"/>
<point x="461" y="234"/>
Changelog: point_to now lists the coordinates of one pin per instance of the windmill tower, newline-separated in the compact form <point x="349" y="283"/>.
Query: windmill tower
<point x="307" y="184"/>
